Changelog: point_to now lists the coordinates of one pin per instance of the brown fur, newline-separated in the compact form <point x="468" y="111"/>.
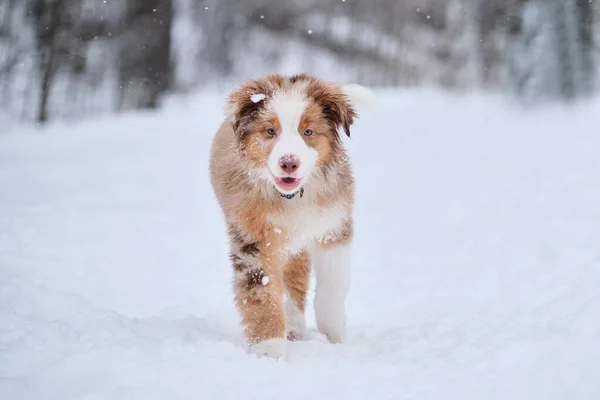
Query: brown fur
<point x="296" y="274"/>
<point x="257" y="216"/>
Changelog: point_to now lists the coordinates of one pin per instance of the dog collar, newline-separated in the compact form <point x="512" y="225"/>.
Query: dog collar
<point x="292" y="195"/>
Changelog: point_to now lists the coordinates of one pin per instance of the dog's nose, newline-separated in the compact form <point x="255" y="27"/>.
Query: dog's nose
<point x="289" y="163"/>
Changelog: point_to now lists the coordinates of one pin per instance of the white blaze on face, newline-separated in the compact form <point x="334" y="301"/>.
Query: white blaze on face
<point x="289" y="108"/>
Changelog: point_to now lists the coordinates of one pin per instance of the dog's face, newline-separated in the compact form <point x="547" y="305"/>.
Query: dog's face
<point x="288" y="128"/>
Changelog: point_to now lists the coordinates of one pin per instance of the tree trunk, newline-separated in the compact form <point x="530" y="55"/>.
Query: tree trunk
<point x="48" y="17"/>
<point x="46" y="83"/>
<point x="145" y="68"/>
<point x="585" y="16"/>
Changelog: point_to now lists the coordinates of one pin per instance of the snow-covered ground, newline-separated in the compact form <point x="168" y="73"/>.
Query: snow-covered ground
<point x="476" y="269"/>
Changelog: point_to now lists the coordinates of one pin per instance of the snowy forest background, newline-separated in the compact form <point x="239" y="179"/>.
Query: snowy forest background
<point x="69" y="59"/>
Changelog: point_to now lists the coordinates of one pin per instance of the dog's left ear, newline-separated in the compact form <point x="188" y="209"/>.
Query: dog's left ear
<point x="358" y="98"/>
<point x="341" y="103"/>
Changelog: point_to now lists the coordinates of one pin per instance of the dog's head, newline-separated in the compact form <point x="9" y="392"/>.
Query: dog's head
<point x="288" y="127"/>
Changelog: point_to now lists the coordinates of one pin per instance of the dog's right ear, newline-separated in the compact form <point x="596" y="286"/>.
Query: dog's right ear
<point x="245" y="103"/>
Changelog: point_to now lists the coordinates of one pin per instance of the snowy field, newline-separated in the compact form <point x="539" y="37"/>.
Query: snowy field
<point x="476" y="266"/>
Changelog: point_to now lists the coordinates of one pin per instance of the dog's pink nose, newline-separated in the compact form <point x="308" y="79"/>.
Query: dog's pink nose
<point x="289" y="163"/>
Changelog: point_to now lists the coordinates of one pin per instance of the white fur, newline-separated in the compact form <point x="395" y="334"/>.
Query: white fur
<point x="332" y="268"/>
<point x="309" y="224"/>
<point x="289" y="108"/>
<point x="272" y="348"/>
<point x="294" y="318"/>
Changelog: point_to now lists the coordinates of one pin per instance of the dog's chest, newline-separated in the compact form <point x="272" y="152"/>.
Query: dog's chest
<point x="306" y="225"/>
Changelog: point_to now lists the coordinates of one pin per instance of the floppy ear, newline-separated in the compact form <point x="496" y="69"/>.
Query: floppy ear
<point x="340" y="103"/>
<point x="336" y="107"/>
<point x="245" y="103"/>
<point x="359" y="96"/>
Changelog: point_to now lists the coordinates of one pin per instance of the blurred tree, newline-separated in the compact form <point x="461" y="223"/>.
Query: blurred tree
<point x="10" y="55"/>
<point x="76" y="57"/>
<point x="532" y="67"/>
<point x="53" y="21"/>
<point x="145" y="68"/>
<point x="551" y="49"/>
<point x="572" y="26"/>
<point x="585" y="23"/>
<point x="220" y="23"/>
<point x="61" y="35"/>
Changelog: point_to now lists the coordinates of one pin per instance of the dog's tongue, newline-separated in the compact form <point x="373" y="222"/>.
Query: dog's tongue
<point x="287" y="183"/>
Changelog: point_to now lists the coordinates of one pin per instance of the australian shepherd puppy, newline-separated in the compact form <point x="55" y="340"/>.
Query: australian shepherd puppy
<point x="285" y="185"/>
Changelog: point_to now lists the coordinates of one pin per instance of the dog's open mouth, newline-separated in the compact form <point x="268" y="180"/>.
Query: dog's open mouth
<point x="287" y="184"/>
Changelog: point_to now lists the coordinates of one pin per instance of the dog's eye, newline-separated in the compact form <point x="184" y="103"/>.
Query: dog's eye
<point x="271" y="131"/>
<point x="308" y="132"/>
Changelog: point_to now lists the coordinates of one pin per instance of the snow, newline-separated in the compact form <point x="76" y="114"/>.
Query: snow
<point x="476" y="266"/>
<point x="257" y="97"/>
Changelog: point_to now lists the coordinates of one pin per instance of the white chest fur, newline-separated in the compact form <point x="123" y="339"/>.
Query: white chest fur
<point x="306" y="224"/>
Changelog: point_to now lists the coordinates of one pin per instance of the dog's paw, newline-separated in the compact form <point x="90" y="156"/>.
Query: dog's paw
<point x="334" y="330"/>
<point x="294" y="320"/>
<point x="336" y="336"/>
<point x="293" y="336"/>
<point x="296" y="329"/>
<point x="272" y="348"/>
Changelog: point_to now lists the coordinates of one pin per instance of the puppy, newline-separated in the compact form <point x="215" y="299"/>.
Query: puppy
<point x="285" y="186"/>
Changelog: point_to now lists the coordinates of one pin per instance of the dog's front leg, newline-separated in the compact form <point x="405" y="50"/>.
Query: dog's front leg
<point x="296" y="276"/>
<point x="258" y="294"/>
<point x="332" y="269"/>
